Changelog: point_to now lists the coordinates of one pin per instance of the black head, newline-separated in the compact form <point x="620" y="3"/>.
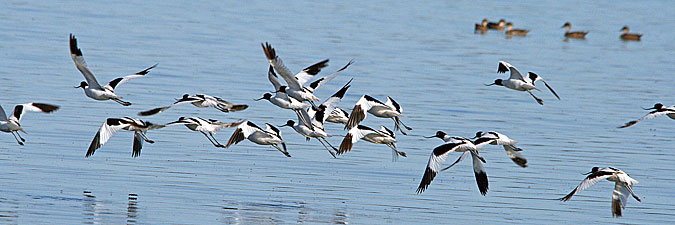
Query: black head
<point x="439" y="134"/>
<point x="266" y="96"/>
<point x="181" y="118"/>
<point x="624" y="28"/>
<point x="657" y="106"/>
<point x="82" y="85"/>
<point x="567" y="24"/>
<point x="185" y="96"/>
<point x="497" y="82"/>
<point x="282" y="89"/>
<point x="289" y="123"/>
<point x="594" y="170"/>
<point x="478" y="134"/>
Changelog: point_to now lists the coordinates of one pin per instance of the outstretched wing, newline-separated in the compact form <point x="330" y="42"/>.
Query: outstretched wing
<point x="436" y="160"/>
<point x="321" y="81"/>
<point x="121" y="80"/>
<point x="279" y="66"/>
<point x="354" y="135"/>
<point x="479" y="172"/>
<point x="590" y="180"/>
<point x="515" y="156"/>
<point x="308" y="73"/>
<point x="3" y="117"/>
<point x="20" y="110"/>
<point x="328" y="106"/>
<point x="534" y="77"/>
<point x="81" y="65"/>
<point x="515" y="74"/>
<point x="360" y="110"/>
<point x="274" y="79"/>
<point x="650" y="115"/>
<point x="109" y="128"/>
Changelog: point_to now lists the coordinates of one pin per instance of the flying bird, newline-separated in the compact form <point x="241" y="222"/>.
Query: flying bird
<point x="207" y="127"/>
<point x="659" y="110"/>
<point x="382" y="136"/>
<point x="623" y="186"/>
<point x="12" y="124"/>
<point x="269" y="136"/>
<point x="91" y="87"/>
<point x="390" y="109"/>
<point x="112" y="125"/>
<point x="519" y="83"/>
<point x="201" y="101"/>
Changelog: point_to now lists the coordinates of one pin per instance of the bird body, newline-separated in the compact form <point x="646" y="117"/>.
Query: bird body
<point x="623" y="186"/>
<point x="12" y="124"/>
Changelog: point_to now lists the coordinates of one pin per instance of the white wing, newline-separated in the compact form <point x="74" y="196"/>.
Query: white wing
<point x="181" y="101"/>
<point x="121" y="80"/>
<point x="360" y="110"/>
<point x="590" y="180"/>
<point x="274" y="79"/>
<point x="308" y="73"/>
<point x="650" y="115"/>
<point x="328" y="106"/>
<point x="354" y="135"/>
<point x="393" y="104"/>
<point x="109" y="128"/>
<point x="3" y="117"/>
<point x="515" y="156"/>
<point x="20" y="110"/>
<point x="515" y="74"/>
<point x="479" y="172"/>
<point x="321" y="81"/>
<point x="243" y="131"/>
<point x="436" y="160"/>
<point x="81" y="65"/>
<point x="279" y="66"/>
<point x="534" y="78"/>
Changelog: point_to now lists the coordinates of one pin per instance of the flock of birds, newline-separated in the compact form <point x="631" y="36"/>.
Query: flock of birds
<point x="486" y="25"/>
<point x="298" y="95"/>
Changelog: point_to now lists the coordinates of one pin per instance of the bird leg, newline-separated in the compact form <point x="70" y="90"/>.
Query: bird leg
<point x="124" y="103"/>
<point x="216" y="140"/>
<point x="541" y="102"/>
<point x="22" y="140"/>
<point x="324" y="145"/>
<point x="17" y="140"/>
<point x="145" y="138"/>
<point x="282" y="151"/>
<point x="207" y="137"/>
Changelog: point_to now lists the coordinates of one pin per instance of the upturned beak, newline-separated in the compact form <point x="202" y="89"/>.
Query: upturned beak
<point x="587" y="173"/>
<point x="429" y="136"/>
<point x="76" y="86"/>
<point x="285" y="125"/>
<point x="259" y="99"/>
<point x="474" y="137"/>
<point x="490" y="84"/>
<point x="648" y="108"/>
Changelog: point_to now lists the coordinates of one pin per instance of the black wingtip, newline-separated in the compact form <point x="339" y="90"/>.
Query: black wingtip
<point x="502" y="68"/>
<point x="150" y="112"/>
<point x="482" y="181"/>
<point x="73" y="46"/>
<point x="631" y="123"/>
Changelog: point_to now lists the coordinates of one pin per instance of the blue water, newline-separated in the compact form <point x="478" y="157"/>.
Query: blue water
<point x="423" y="54"/>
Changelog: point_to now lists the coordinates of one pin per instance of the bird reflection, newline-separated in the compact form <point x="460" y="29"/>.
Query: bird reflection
<point x="132" y="209"/>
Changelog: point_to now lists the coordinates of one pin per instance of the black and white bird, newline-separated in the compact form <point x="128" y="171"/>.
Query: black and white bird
<point x="269" y="136"/>
<point x="509" y="144"/>
<point x="296" y="83"/>
<point x="201" y="101"/>
<point x="281" y="99"/>
<point x="659" y="110"/>
<point x="338" y="115"/>
<point x="383" y="136"/>
<point x="91" y="87"/>
<point x="112" y="125"/>
<point x="319" y="114"/>
<point x="623" y="186"/>
<point x="457" y="144"/>
<point x="208" y="127"/>
<point x="389" y="109"/>
<point x="12" y="124"/>
<point x="305" y="128"/>
<point x="520" y="83"/>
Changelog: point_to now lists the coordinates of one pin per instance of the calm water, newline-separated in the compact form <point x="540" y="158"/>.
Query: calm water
<point x="425" y="55"/>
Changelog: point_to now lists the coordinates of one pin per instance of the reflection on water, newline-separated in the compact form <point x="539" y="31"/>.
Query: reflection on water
<point x="132" y="208"/>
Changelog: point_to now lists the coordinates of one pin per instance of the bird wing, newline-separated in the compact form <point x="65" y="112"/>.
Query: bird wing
<point x="360" y="110"/>
<point x="650" y="115"/>
<point x="308" y="73"/>
<point x="279" y="66"/>
<point x="515" y="156"/>
<point x="181" y="101"/>
<point x="109" y="128"/>
<point x="590" y="180"/>
<point x="438" y="156"/>
<point x="328" y="106"/>
<point x="321" y="81"/>
<point x="534" y="78"/>
<point x="81" y="65"/>
<point x="272" y="129"/>
<point x="3" y="117"/>
<point x="303" y="118"/>
<point x="138" y="143"/>
<point x="393" y="104"/>
<point x="274" y="79"/>
<point x="479" y="172"/>
<point x="121" y="80"/>
<point x="20" y="110"/>
<point x="354" y="135"/>
<point x="515" y="74"/>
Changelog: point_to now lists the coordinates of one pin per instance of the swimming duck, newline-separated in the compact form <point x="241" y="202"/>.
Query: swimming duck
<point x="496" y="26"/>
<point x="627" y="36"/>
<point x="575" y="34"/>
<point x="518" y="32"/>
<point x="482" y="27"/>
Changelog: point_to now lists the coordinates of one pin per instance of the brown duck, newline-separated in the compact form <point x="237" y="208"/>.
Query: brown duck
<point x="482" y="27"/>
<point x="496" y="26"/>
<point x="518" y="32"/>
<point x="628" y="36"/>
<point x="575" y="34"/>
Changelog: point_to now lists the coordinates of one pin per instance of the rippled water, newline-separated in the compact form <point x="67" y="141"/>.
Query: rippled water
<point x="424" y="55"/>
